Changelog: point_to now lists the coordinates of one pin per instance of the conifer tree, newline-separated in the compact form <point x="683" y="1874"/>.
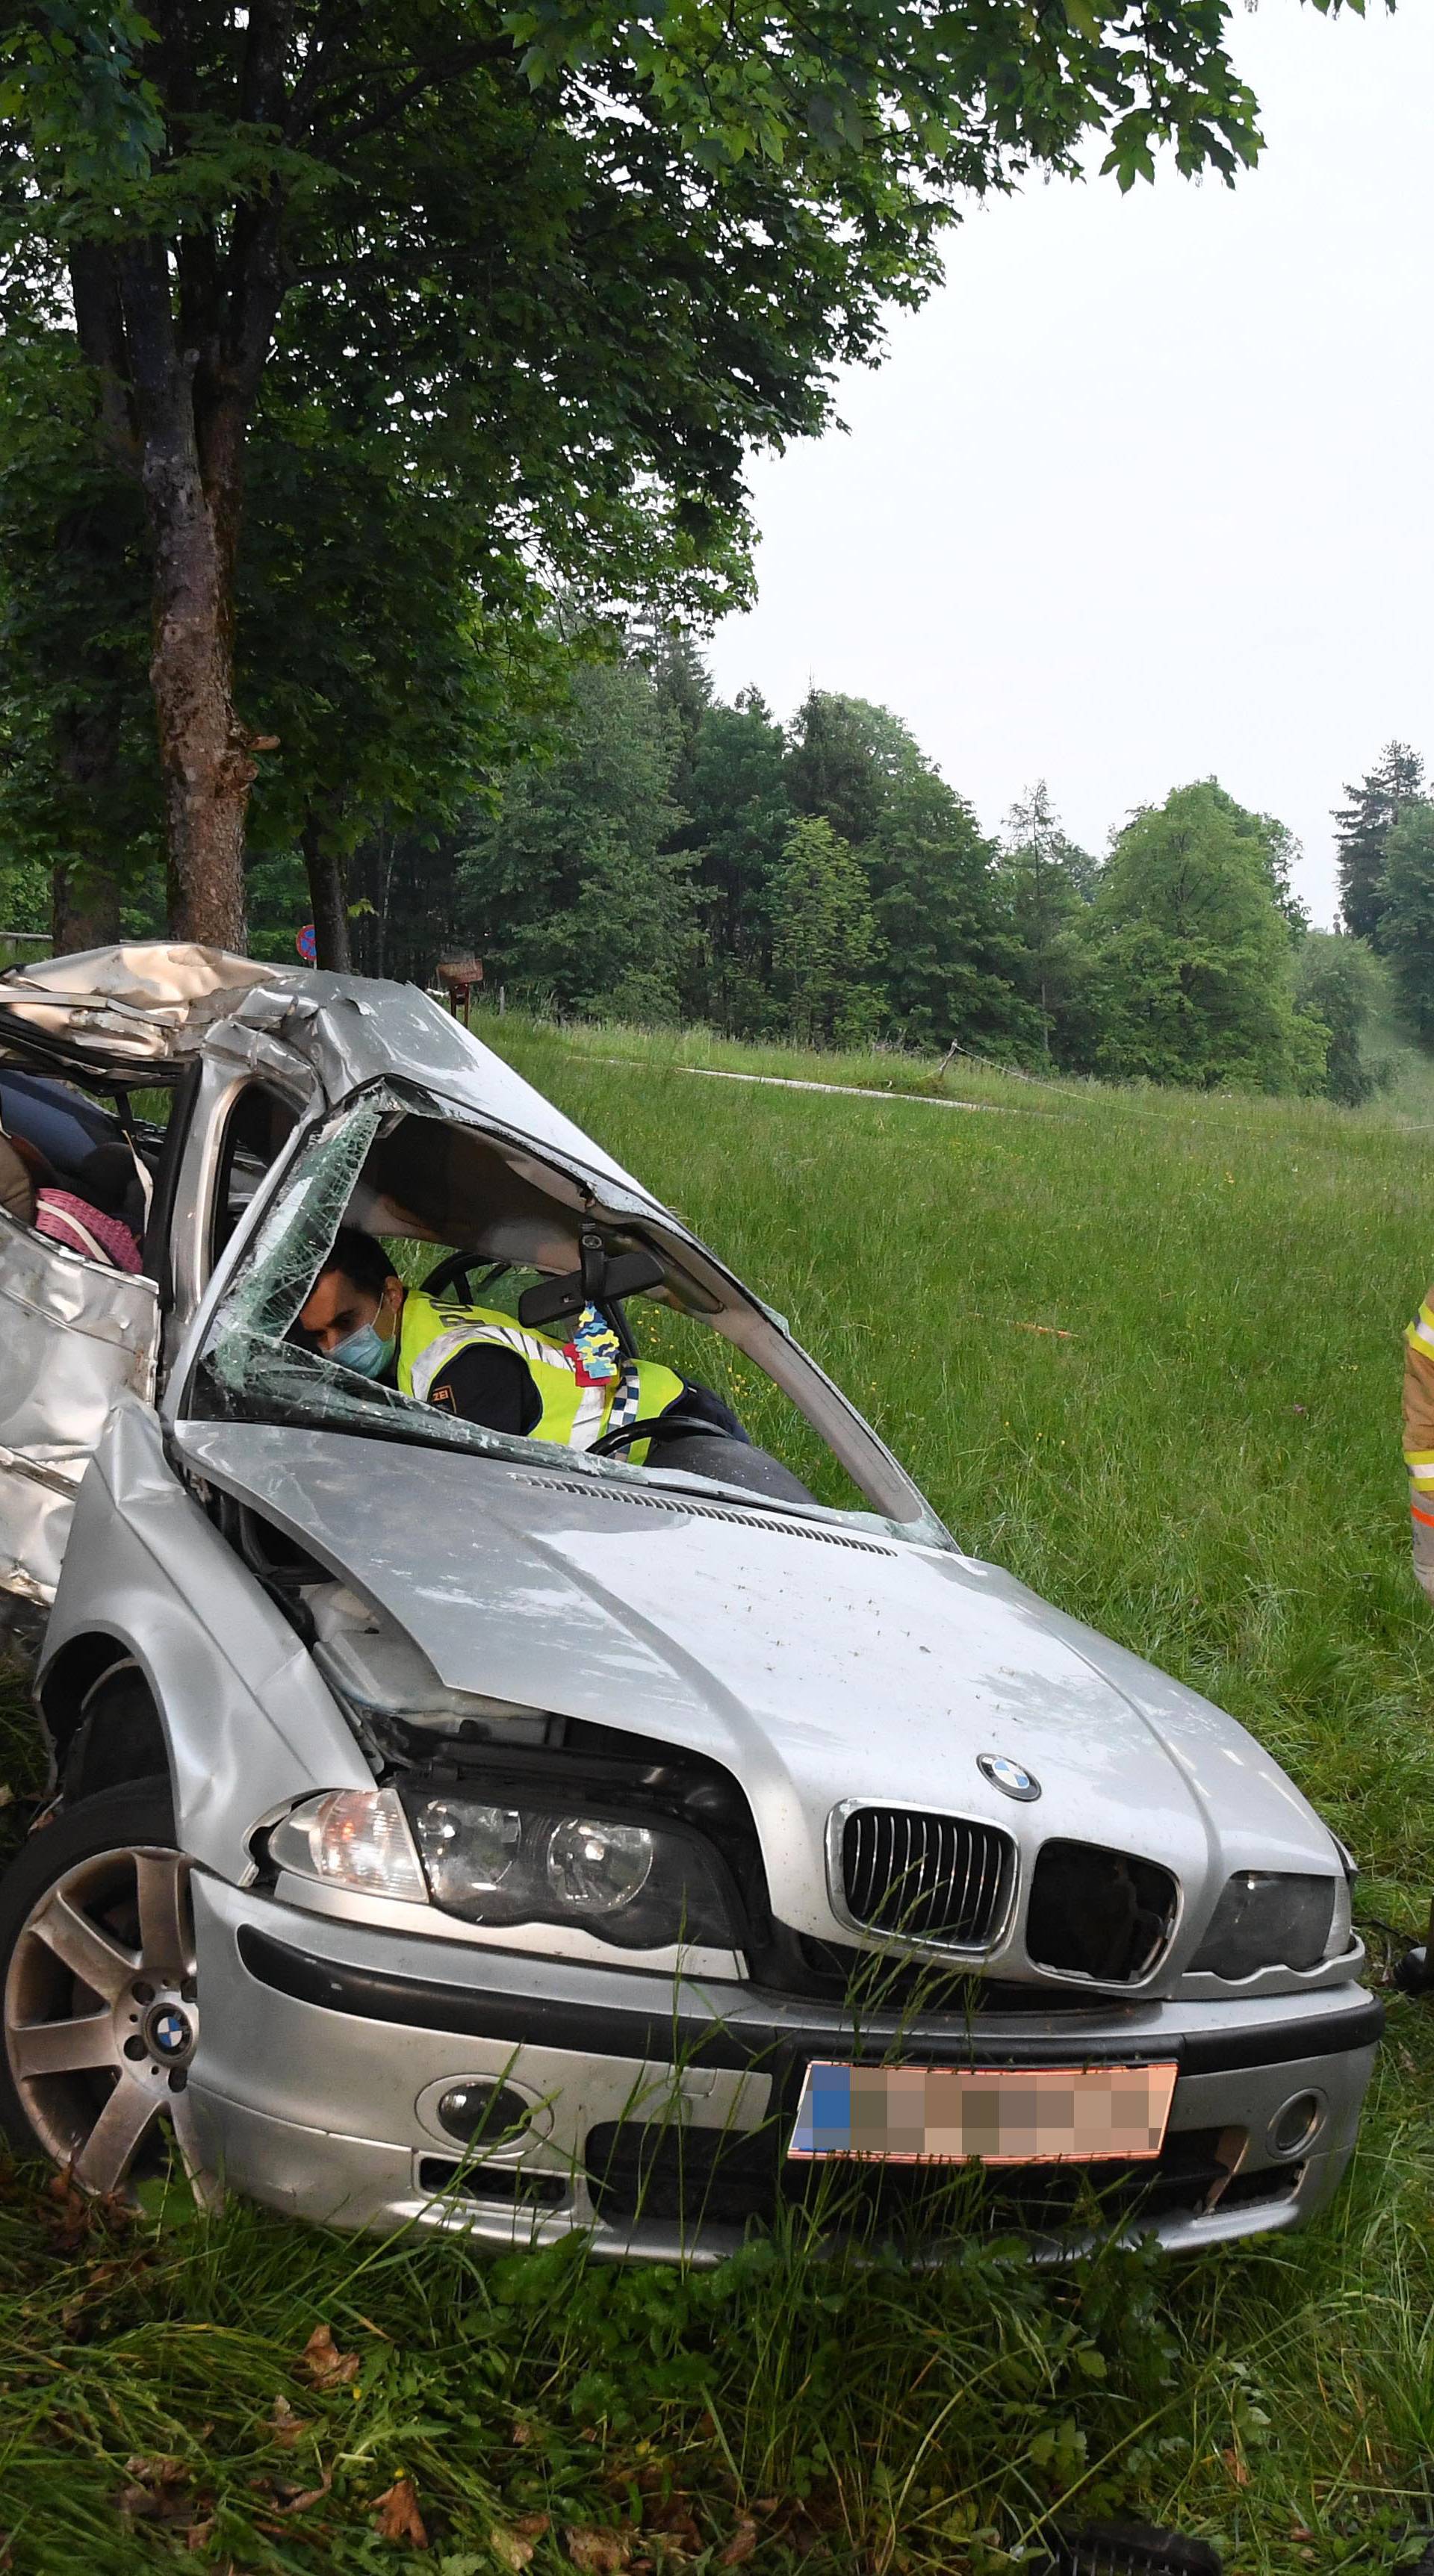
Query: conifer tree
<point x="1047" y="882"/>
<point x="573" y="887"/>
<point x="1406" y="923"/>
<point x="952" y="959"/>
<point x="843" y="753"/>
<point x="1362" y="829"/>
<point x="739" y="815"/>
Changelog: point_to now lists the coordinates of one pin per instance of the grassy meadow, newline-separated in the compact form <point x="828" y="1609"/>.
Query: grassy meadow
<point x="1144" y="1349"/>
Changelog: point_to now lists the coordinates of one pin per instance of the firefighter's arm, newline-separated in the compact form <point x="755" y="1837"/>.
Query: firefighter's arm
<point x="1419" y="1438"/>
<point x="490" y="1386"/>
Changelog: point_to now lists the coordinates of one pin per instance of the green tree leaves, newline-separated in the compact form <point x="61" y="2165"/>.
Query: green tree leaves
<point x="72" y="78"/>
<point x="79" y="790"/>
<point x="684" y="858"/>
<point x="1190" y="958"/>
<point x="571" y="890"/>
<point x="571" y="261"/>
<point x="951" y="959"/>
<point x="937" y="93"/>
<point x="1338" y="983"/>
<point x="824" y="938"/>
<point x="739" y="809"/>
<point x="1385" y="858"/>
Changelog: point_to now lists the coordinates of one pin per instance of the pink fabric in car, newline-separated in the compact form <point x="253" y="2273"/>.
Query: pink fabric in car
<point x="81" y="1228"/>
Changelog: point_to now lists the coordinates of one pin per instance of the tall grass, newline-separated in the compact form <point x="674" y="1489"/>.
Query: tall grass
<point x="1145" y="1350"/>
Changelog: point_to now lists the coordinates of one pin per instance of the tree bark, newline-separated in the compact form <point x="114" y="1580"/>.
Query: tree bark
<point x="206" y="757"/>
<point x="205" y="763"/>
<point x="328" y="893"/>
<point x="192" y="337"/>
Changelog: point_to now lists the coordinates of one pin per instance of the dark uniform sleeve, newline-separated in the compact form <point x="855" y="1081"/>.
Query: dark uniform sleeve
<point x="488" y="1385"/>
<point x="699" y="1404"/>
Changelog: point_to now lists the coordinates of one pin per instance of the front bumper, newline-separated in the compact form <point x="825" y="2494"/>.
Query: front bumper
<point x="659" y="2112"/>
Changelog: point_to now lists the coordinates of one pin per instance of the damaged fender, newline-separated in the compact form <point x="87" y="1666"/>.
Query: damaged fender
<point x="248" y="1722"/>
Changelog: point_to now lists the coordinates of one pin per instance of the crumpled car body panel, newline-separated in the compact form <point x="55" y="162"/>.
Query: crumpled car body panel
<point x="74" y="1340"/>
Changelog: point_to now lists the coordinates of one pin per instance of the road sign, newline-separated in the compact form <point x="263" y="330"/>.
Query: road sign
<point x="306" y="943"/>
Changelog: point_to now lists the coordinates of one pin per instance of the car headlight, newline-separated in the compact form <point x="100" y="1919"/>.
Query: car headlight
<point x="1274" y="1919"/>
<point x="643" y="1885"/>
<point x="351" y="1838"/>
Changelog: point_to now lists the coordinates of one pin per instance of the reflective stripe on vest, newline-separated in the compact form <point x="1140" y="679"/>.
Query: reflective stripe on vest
<point x="574" y="1416"/>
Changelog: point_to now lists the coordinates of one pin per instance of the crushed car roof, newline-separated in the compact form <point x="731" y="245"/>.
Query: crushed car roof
<point x="145" y="1004"/>
<point x="140" y="1014"/>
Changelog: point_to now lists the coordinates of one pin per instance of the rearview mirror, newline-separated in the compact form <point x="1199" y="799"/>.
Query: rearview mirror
<point x="601" y="1281"/>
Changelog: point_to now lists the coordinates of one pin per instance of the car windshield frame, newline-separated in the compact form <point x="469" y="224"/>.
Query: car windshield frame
<point x="242" y="1364"/>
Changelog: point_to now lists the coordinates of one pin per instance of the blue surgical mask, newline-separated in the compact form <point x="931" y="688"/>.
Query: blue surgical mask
<point x="366" y="1351"/>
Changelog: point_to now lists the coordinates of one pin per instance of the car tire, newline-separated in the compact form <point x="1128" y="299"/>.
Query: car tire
<point x="100" y="1997"/>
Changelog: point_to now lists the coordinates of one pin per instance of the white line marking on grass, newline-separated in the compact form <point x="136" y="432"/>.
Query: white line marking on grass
<point x="842" y="1090"/>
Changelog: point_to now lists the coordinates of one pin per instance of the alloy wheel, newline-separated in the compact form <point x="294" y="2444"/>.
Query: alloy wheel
<point x="102" y="2019"/>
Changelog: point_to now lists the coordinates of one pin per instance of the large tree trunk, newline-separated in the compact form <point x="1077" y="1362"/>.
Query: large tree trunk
<point x="180" y="334"/>
<point x="204" y="756"/>
<point x="328" y="894"/>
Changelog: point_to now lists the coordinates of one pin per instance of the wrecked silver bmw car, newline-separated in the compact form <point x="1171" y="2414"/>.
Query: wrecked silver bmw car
<point x="527" y="1758"/>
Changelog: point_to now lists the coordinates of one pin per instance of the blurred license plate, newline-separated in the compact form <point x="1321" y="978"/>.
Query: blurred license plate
<point x="1001" y="2115"/>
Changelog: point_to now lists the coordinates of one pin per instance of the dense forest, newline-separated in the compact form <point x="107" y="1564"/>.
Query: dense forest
<point x="665" y="856"/>
<point x="674" y="857"/>
<point x="660" y="855"/>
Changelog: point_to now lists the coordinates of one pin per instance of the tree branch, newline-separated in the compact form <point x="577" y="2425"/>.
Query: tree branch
<point x="155" y="372"/>
<point x="262" y="96"/>
<point x="430" y="75"/>
<point x="99" y="328"/>
<point x="311" y="79"/>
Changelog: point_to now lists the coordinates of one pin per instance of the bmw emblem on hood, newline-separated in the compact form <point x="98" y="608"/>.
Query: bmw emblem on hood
<point x="1005" y="1774"/>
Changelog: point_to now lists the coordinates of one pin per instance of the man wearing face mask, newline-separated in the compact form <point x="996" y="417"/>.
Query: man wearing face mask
<point x="477" y="1362"/>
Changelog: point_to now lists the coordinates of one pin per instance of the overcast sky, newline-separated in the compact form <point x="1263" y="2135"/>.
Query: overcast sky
<point x="1144" y="492"/>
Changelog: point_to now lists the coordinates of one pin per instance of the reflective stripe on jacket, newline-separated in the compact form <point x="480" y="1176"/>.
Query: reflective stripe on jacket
<point x="1419" y="1410"/>
<point x="573" y="1413"/>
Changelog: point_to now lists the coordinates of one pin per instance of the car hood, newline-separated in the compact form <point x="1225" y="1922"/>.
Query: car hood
<point x="818" y="1661"/>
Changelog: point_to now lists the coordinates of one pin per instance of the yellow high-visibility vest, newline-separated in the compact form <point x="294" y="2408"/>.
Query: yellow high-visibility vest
<point x="432" y="1331"/>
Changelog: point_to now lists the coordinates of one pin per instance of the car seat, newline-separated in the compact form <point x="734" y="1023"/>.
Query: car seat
<point x="85" y="1147"/>
<point x="61" y="1123"/>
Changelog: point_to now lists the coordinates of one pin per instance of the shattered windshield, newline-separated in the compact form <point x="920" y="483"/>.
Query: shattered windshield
<point x="414" y="1279"/>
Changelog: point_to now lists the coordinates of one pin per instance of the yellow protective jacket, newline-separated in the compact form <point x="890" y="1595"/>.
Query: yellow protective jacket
<point x="1419" y="1437"/>
<point x="586" y="1385"/>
